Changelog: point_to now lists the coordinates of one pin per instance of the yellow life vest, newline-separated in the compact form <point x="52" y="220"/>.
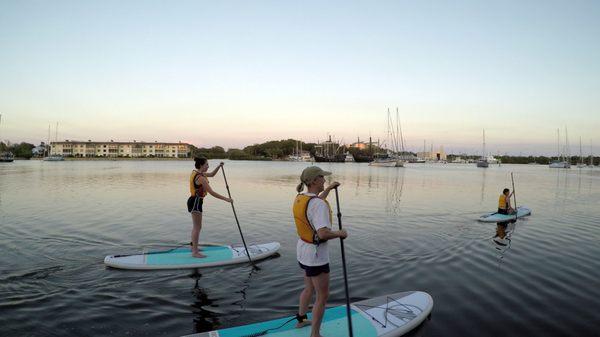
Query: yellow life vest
<point x="306" y="231"/>
<point x="196" y="189"/>
<point x="502" y="202"/>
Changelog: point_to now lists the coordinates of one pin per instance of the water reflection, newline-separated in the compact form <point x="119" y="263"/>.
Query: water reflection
<point x="204" y="319"/>
<point x="483" y="176"/>
<point x="393" y="191"/>
<point x="503" y="238"/>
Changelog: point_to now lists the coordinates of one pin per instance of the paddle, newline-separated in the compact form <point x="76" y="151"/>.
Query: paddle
<point x="514" y="195"/>
<point x="339" y="216"/>
<point x="237" y="221"/>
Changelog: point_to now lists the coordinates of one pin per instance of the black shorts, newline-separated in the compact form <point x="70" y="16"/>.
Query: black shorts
<point x="315" y="270"/>
<point x="194" y="204"/>
<point x="502" y="211"/>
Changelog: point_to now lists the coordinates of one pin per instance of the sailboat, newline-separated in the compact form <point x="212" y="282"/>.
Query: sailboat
<point x="390" y="158"/>
<point x="56" y="156"/>
<point x="6" y="157"/>
<point x="580" y="164"/>
<point x="483" y="162"/>
<point x="591" y="164"/>
<point x="361" y="156"/>
<point x="560" y="161"/>
<point x="329" y="152"/>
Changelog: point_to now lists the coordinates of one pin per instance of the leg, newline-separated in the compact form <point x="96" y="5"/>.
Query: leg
<point x="321" y="285"/>
<point x="197" y="220"/>
<point x="305" y="298"/>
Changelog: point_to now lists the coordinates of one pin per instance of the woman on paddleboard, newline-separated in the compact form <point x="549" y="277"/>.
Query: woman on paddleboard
<point x="504" y="202"/>
<point x="313" y="217"/>
<point x="199" y="187"/>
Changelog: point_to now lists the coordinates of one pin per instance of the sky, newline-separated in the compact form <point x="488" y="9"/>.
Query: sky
<point x="235" y="73"/>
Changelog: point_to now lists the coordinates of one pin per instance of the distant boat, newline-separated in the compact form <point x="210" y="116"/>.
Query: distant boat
<point x="6" y="157"/>
<point x="360" y="156"/>
<point x="483" y="161"/>
<point x="492" y="160"/>
<point x="328" y="152"/>
<point x="580" y="163"/>
<point x="561" y="160"/>
<point x="53" y="157"/>
<point x="385" y="160"/>
<point x="390" y="158"/>
<point x="349" y="158"/>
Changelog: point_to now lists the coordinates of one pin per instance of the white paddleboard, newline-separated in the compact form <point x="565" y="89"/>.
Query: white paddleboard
<point x="385" y="316"/>
<point x="497" y="217"/>
<point x="181" y="258"/>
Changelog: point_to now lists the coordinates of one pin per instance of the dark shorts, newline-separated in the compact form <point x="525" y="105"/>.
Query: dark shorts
<point x="315" y="270"/>
<point x="502" y="211"/>
<point x="194" y="204"/>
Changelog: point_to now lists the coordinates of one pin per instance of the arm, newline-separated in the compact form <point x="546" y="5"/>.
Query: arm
<point x="327" y="234"/>
<point x="214" y="172"/>
<point x="213" y="193"/>
<point x="318" y="214"/>
<point x="325" y="193"/>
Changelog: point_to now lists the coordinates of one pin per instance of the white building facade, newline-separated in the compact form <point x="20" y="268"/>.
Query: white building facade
<point x="134" y="149"/>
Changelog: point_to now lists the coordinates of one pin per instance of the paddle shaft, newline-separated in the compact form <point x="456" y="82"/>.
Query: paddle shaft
<point x="339" y="216"/>
<point x="514" y="195"/>
<point x="236" y="218"/>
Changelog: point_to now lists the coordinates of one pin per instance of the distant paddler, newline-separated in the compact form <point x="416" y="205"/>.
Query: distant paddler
<point x="504" y="206"/>
<point x="313" y="218"/>
<point x="199" y="187"/>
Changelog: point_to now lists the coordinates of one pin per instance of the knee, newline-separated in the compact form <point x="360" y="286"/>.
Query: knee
<point x="322" y="296"/>
<point x="308" y="291"/>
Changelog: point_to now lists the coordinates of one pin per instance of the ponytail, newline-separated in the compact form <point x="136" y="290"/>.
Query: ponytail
<point x="300" y="187"/>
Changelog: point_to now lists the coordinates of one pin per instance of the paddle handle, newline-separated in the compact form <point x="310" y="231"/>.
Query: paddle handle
<point x="236" y="218"/>
<point x="339" y="216"/>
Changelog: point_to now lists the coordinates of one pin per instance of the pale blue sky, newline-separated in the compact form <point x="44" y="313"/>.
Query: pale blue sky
<point x="234" y="73"/>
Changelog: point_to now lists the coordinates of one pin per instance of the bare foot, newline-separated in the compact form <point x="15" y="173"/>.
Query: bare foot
<point x="303" y="324"/>
<point x="198" y="255"/>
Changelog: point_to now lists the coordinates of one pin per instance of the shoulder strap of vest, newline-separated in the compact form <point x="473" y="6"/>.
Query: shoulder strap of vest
<point x="316" y="239"/>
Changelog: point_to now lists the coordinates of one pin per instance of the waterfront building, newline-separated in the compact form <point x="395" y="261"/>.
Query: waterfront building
<point x="360" y="145"/>
<point x="135" y="149"/>
<point x="432" y="155"/>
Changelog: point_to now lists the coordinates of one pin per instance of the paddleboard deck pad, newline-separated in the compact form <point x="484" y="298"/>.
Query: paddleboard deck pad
<point x="181" y="258"/>
<point x="385" y="316"/>
<point x="497" y="217"/>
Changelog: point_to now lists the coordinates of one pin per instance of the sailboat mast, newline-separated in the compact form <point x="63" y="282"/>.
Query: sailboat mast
<point x="580" y="152"/>
<point x="47" y="147"/>
<point x="567" y="147"/>
<point x="483" y="156"/>
<point x="399" y="127"/>
<point x="558" y="156"/>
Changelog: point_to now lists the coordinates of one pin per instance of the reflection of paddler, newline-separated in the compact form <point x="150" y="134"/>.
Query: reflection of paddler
<point x="313" y="217"/>
<point x="504" y="206"/>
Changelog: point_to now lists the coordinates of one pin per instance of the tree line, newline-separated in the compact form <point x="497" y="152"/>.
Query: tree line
<point x="281" y="149"/>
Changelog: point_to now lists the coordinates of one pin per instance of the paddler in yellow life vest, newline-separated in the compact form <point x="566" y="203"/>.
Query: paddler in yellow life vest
<point x="199" y="187"/>
<point x="504" y="202"/>
<point x="313" y="218"/>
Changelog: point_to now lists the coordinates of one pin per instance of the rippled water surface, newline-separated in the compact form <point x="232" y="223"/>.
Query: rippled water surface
<point x="411" y="228"/>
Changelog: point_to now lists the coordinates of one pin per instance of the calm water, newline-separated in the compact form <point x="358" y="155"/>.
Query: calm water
<point x="410" y="229"/>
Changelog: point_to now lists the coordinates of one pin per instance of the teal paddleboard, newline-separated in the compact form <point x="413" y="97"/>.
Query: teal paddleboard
<point x="390" y="316"/>
<point x="181" y="258"/>
<point x="497" y="217"/>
